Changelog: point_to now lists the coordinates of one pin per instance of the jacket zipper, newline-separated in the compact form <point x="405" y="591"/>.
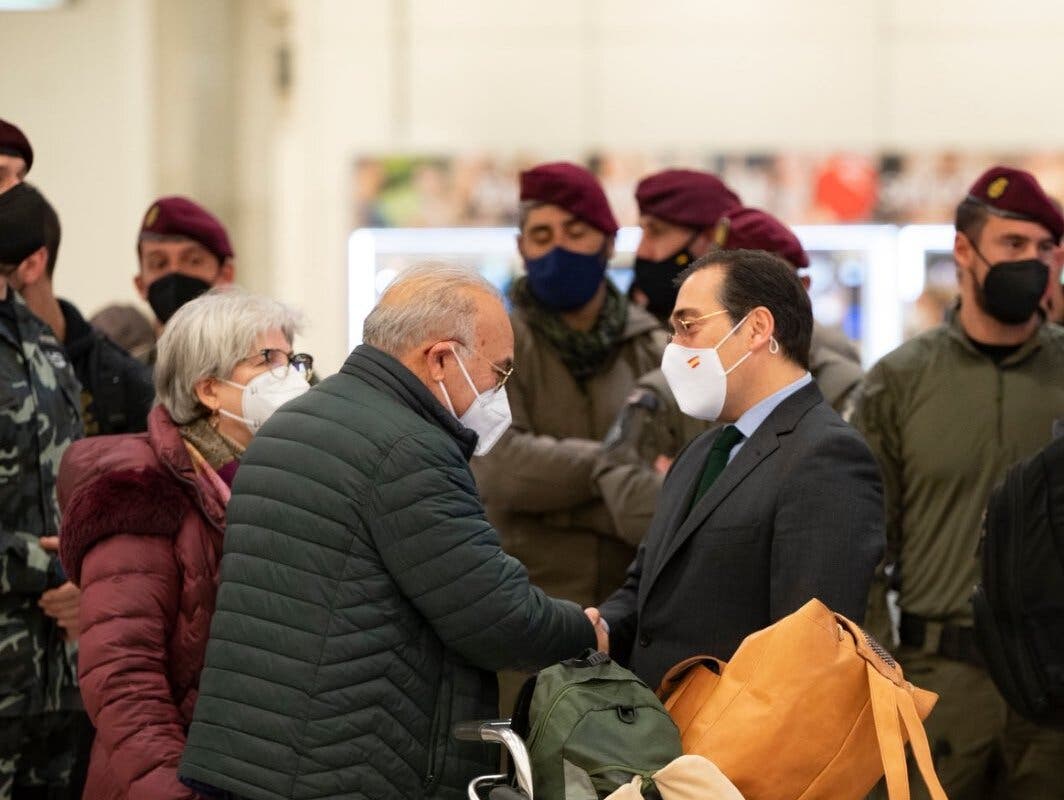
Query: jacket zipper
<point x="432" y="777"/>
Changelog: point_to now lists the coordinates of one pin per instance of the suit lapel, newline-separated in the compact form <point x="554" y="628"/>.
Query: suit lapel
<point x="757" y="448"/>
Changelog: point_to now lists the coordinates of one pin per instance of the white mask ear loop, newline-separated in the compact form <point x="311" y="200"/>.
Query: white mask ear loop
<point x="447" y="397"/>
<point x="727" y="336"/>
<point x="461" y="366"/>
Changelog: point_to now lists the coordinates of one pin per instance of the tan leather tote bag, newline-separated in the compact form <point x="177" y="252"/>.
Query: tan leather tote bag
<point x="810" y="707"/>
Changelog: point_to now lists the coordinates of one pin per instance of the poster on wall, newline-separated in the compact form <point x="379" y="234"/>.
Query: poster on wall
<point x="877" y="226"/>
<point x="480" y="190"/>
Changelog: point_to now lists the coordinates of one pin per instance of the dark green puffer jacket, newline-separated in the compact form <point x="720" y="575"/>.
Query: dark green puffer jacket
<point x="364" y="604"/>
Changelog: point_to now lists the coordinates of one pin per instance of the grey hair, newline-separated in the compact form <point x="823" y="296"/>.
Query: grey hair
<point x="524" y="208"/>
<point x="207" y="338"/>
<point x="433" y="300"/>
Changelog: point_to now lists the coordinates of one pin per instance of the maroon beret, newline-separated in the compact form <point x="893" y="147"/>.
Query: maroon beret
<point x="13" y="142"/>
<point x="686" y="197"/>
<point x="573" y="188"/>
<point x="753" y="229"/>
<point x="179" y="216"/>
<point x="1015" y="193"/>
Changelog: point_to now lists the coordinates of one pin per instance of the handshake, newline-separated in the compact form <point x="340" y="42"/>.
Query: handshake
<point x="602" y="630"/>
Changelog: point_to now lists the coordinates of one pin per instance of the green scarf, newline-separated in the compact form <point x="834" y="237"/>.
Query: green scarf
<point x="584" y="353"/>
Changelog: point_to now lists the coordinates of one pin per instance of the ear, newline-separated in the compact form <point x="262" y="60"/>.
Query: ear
<point x="610" y="247"/>
<point x="520" y="238"/>
<point x="703" y="243"/>
<point x="141" y="287"/>
<point x="962" y="249"/>
<point x="33" y="267"/>
<point x="436" y="358"/>
<point x="806" y="282"/>
<point x="226" y="273"/>
<point x="762" y="327"/>
<point x="206" y="390"/>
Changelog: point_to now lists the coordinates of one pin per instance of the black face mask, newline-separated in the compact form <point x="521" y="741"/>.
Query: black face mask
<point x="172" y="291"/>
<point x="657" y="280"/>
<point x="1012" y="290"/>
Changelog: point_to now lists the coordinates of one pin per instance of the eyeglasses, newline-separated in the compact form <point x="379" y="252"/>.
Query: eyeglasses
<point x="687" y="323"/>
<point x="505" y="372"/>
<point x="279" y="362"/>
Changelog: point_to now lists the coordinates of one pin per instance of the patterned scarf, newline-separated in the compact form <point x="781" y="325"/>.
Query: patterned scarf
<point x="584" y="353"/>
<point x="217" y="449"/>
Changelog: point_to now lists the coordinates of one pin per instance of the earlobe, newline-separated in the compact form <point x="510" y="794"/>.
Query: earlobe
<point x="138" y="283"/>
<point x="226" y="273"/>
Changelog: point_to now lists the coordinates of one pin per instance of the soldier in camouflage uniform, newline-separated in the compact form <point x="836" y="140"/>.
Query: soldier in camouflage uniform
<point x="651" y="430"/>
<point x="39" y="398"/>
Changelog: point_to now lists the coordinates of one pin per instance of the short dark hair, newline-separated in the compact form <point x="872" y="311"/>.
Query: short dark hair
<point x="53" y="232"/>
<point x="971" y="218"/>
<point x="755" y="278"/>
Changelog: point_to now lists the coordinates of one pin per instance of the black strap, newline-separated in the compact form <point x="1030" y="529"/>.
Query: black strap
<point x="956" y="642"/>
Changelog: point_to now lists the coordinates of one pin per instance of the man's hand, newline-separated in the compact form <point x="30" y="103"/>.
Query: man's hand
<point x="49" y="543"/>
<point x="63" y="604"/>
<point x="602" y="636"/>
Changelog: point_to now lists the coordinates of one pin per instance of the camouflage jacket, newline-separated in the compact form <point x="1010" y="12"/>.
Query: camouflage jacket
<point x="39" y="401"/>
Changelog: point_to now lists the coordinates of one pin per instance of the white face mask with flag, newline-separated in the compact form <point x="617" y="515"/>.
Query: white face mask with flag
<point x="697" y="378"/>
<point x="488" y="415"/>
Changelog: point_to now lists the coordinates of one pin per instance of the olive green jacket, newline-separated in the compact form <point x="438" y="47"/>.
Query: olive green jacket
<point x="945" y="422"/>
<point x="536" y="482"/>
<point x="651" y="425"/>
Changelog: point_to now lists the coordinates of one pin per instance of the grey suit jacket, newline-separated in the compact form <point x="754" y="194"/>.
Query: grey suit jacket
<point x="797" y="514"/>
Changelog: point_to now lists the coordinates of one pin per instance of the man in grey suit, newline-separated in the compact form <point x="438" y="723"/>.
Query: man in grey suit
<point x="757" y="517"/>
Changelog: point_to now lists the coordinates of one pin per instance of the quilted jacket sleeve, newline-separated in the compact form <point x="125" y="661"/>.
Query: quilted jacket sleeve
<point x="130" y="590"/>
<point x="436" y="543"/>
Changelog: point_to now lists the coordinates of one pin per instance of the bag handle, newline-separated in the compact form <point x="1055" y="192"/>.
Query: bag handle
<point x="674" y="677"/>
<point x="892" y="707"/>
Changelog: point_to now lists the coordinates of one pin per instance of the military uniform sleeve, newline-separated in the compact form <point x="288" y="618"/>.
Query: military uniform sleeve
<point x="447" y="560"/>
<point x="876" y="417"/>
<point x="828" y="529"/>
<point x="624" y="475"/>
<point x="530" y="473"/>
<point x="26" y="567"/>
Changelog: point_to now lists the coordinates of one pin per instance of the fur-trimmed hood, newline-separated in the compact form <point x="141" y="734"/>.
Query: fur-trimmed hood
<point x="142" y="483"/>
<point x="143" y="501"/>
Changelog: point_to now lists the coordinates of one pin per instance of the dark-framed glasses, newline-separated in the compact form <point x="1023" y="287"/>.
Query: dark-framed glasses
<point x="279" y="362"/>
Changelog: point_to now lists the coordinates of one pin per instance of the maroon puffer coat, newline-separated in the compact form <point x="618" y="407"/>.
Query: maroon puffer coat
<point x="142" y="537"/>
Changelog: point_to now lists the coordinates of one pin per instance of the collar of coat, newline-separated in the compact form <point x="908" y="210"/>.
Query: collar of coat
<point x="389" y="376"/>
<point x="1025" y="350"/>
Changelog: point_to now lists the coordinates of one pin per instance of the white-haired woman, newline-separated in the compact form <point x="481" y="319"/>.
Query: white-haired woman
<point x="144" y="516"/>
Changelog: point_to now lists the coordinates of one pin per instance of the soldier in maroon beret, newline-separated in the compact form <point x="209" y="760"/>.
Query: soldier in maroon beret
<point x="580" y="346"/>
<point x="16" y="155"/>
<point x="678" y="209"/>
<point x="946" y="414"/>
<point x="183" y="251"/>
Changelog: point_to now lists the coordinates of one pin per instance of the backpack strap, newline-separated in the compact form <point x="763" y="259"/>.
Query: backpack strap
<point x="893" y="707"/>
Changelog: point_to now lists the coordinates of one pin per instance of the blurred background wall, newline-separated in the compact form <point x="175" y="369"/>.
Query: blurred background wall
<point x="257" y="108"/>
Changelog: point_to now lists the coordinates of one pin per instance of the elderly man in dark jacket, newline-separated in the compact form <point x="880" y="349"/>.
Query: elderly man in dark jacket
<point x="365" y="602"/>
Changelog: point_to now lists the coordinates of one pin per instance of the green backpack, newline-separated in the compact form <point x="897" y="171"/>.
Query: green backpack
<point x="590" y="726"/>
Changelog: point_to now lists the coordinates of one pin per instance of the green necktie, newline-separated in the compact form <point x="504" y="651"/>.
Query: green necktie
<point x="717" y="459"/>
